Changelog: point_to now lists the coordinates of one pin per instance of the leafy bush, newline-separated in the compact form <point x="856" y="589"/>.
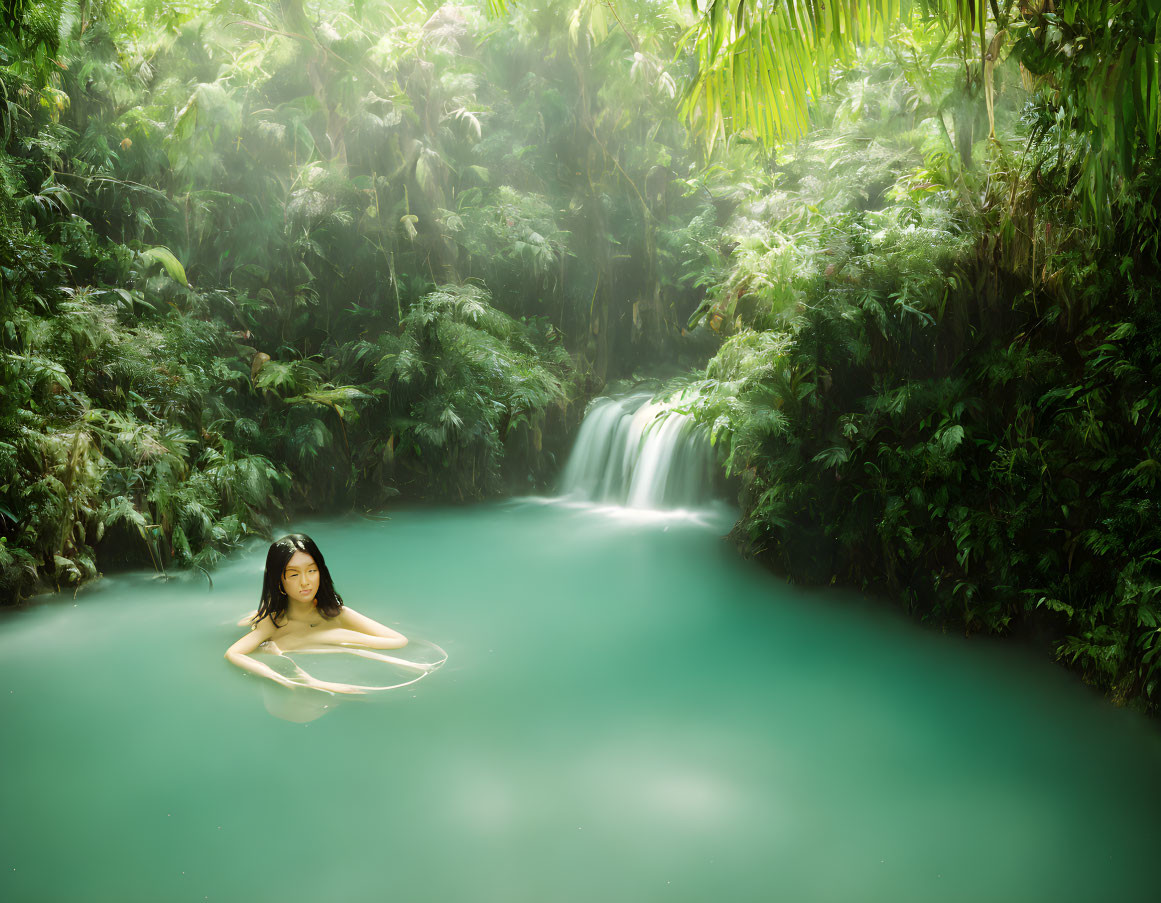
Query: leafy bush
<point x="952" y="404"/>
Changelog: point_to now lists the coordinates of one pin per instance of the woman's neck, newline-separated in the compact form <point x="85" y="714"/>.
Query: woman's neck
<point x="301" y="611"/>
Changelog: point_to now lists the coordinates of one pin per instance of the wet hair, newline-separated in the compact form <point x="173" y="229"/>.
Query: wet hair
<point x="274" y="601"/>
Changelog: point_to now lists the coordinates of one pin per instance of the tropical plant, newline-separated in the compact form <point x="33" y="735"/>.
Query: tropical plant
<point x="761" y="66"/>
<point x="942" y="396"/>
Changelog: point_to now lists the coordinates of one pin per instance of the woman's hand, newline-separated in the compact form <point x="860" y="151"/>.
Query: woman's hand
<point x="239" y="654"/>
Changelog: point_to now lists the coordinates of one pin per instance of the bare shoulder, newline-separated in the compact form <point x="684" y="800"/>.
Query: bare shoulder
<point x="352" y="620"/>
<point x="252" y="640"/>
<point x="348" y="617"/>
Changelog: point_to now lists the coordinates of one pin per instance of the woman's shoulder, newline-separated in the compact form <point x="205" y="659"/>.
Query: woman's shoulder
<point x="352" y="620"/>
<point x="266" y="627"/>
<point x="348" y="616"/>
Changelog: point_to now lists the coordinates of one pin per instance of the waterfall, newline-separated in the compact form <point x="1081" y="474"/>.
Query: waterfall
<point x="641" y="454"/>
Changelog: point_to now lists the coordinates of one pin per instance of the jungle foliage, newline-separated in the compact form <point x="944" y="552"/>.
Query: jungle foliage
<point x="270" y="257"/>
<point x="761" y="67"/>
<point x="940" y="381"/>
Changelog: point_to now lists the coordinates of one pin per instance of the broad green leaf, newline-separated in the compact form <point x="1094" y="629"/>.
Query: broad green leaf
<point x="166" y="258"/>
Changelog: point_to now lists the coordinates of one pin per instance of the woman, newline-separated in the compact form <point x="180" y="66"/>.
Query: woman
<point x="300" y="610"/>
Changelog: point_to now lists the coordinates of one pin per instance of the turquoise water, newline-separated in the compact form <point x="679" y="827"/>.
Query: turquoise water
<point x="629" y="712"/>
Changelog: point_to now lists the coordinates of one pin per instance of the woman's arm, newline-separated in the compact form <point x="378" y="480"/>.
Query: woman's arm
<point x="350" y="619"/>
<point x="239" y="654"/>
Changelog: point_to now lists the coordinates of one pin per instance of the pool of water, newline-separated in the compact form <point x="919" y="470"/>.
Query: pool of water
<point x="628" y="712"/>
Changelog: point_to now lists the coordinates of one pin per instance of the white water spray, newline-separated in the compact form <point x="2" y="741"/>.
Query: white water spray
<point x="634" y="452"/>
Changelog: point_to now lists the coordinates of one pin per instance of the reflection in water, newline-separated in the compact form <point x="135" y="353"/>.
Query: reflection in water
<point x="295" y="705"/>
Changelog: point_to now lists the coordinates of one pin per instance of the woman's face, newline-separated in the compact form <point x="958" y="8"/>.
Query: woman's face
<point x="300" y="578"/>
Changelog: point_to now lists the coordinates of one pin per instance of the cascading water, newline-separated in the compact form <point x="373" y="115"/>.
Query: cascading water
<point x="634" y="452"/>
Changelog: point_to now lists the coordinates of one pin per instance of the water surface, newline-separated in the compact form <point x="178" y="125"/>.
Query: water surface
<point x="629" y="712"/>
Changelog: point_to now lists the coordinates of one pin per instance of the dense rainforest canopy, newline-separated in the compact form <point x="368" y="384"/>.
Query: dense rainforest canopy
<point x="265" y="258"/>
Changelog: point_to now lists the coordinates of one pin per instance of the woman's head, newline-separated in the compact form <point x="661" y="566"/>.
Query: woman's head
<point x="295" y="569"/>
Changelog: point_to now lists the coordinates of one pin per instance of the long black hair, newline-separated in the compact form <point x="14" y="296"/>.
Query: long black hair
<point x="274" y="600"/>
